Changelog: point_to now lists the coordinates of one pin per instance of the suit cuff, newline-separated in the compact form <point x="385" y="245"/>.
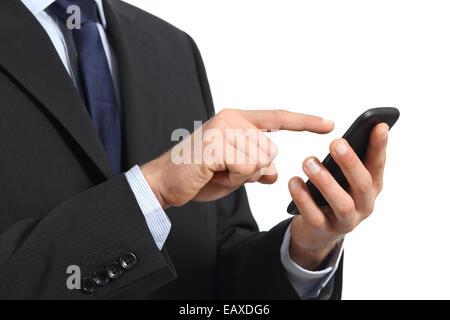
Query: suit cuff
<point x="308" y="284"/>
<point x="157" y="221"/>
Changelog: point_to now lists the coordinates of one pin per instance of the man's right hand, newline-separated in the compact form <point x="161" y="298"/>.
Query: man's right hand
<point x="228" y="151"/>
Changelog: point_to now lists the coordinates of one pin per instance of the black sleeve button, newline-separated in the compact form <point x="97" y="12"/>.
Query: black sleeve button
<point x="114" y="270"/>
<point x="101" y="277"/>
<point x="128" y="261"/>
<point x="88" y="285"/>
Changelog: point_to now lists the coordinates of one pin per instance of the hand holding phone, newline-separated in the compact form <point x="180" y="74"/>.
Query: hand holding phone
<point x="358" y="137"/>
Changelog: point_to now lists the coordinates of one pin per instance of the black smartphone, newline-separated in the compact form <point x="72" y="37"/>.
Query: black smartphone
<point x="358" y="138"/>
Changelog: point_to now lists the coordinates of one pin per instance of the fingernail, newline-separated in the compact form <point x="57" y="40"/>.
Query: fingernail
<point x="385" y="135"/>
<point x="327" y="121"/>
<point x="313" y="166"/>
<point x="295" y="184"/>
<point x="342" y="148"/>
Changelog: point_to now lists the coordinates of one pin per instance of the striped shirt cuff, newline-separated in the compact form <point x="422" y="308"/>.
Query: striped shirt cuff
<point x="157" y="221"/>
<point x="308" y="284"/>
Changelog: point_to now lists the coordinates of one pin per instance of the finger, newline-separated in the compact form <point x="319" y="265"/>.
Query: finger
<point x="358" y="177"/>
<point x="376" y="154"/>
<point x="286" y="120"/>
<point x="305" y="203"/>
<point x="255" y="177"/>
<point x="239" y="168"/>
<point x="213" y="188"/>
<point x="255" y="144"/>
<point x="338" y="199"/>
<point x="266" y="146"/>
<point x="269" y="174"/>
<point x="239" y="131"/>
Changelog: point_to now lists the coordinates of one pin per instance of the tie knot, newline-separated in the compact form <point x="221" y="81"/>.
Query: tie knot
<point x="86" y="8"/>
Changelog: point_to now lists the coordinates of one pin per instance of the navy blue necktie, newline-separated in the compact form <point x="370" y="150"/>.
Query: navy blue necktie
<point x="96" y="83"/>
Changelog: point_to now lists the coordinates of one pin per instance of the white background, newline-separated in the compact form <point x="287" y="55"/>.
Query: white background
<point x="336" y="59"/>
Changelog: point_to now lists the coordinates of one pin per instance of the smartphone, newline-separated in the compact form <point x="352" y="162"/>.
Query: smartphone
<point x="358" y="138"/>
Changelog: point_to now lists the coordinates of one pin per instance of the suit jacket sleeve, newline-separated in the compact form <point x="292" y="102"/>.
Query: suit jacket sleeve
<point x="90" y="230"/>
<point x="249" y="261"/>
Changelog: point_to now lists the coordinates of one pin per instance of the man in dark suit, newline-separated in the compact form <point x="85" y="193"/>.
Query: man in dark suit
<point x="91" y="89"/>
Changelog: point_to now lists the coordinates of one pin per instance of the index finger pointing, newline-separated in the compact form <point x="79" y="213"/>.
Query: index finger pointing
<point x="286" y="120"/>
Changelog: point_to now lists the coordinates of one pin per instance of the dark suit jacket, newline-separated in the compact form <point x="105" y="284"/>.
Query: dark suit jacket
<point x="60" y="202"/>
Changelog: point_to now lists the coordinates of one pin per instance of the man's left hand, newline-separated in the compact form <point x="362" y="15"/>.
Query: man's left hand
<point x="317" y="230"/>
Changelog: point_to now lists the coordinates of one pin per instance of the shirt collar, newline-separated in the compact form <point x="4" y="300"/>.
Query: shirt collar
<point x="37" y="6"/>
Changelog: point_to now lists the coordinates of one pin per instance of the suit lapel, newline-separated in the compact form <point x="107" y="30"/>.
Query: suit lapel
<point x="29" y="56"/>
<point x="140" y="62"/>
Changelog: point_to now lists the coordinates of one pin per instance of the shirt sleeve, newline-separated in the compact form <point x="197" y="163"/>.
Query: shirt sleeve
<point x="308" y="284"/>
<point x="157" y="220"/>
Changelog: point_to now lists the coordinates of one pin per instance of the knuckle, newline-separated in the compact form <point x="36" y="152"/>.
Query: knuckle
<point x="379" y="187"/>
<point x="248" y="169"/>
<point x="273" y="150"/>
<point x="348" y="161"/>
<point x="261" y="163"/>
<point x="379" y="167"/>
<point x="299" y="198"/>
<point x="226" y="113"/>
<point x="317" y="222"/>
<point x="351" y="226"/>
<point x="365" y="186"/>
<point x="347" y="224"/>
<point x="324" y="180"/>
<point x="253" y="179"/>
<point x="346" y="208"/>
<point x="270" y="170"/>
<point x="369" y="210"/>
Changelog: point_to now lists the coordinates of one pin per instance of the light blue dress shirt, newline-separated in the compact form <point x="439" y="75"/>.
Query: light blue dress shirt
<point x="307" y="284"/>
